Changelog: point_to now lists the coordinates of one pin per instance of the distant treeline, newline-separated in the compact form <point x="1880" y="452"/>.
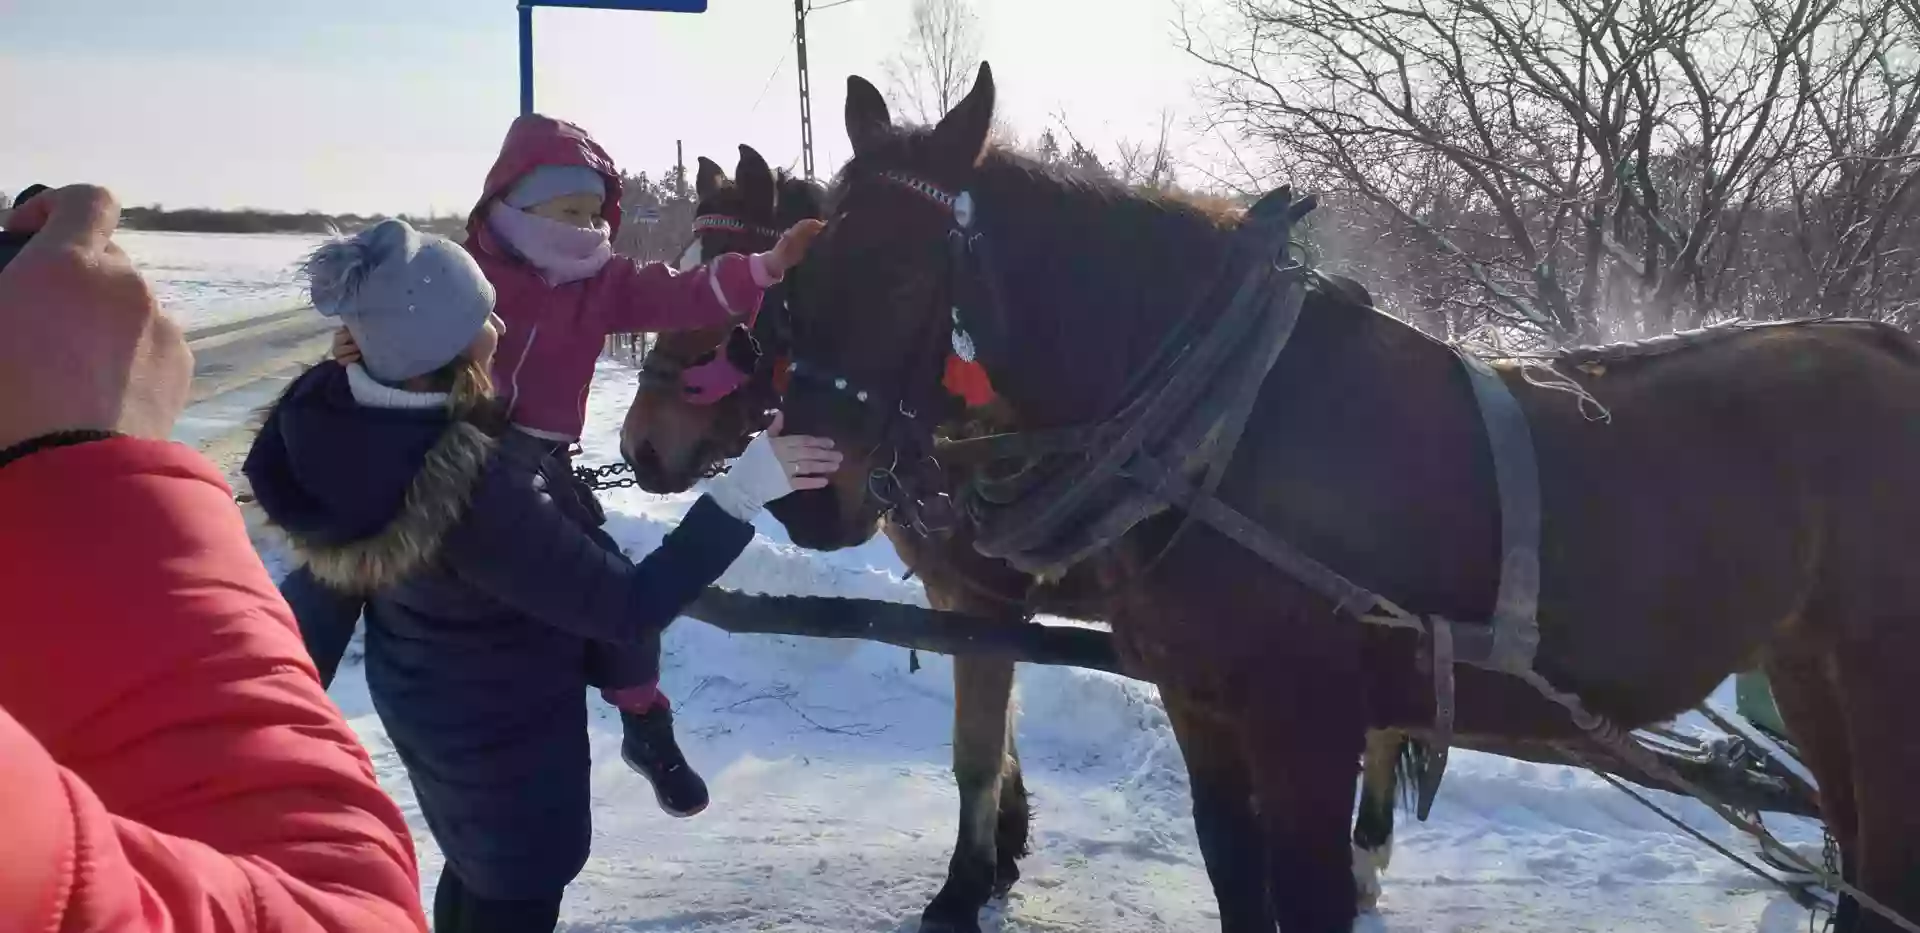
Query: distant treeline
<point x="203" y="220"/>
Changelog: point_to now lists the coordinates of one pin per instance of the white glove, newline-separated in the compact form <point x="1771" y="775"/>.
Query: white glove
<point x="771" y="467"/>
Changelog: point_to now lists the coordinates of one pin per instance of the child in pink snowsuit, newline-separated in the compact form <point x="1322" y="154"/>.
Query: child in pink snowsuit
<point x="542" y="232"/>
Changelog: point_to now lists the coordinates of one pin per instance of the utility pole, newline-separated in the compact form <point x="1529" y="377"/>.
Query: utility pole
<point x="680" y="173"/>
<point x="806" y="92"/>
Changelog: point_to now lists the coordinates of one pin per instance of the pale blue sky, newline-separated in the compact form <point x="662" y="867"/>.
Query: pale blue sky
<point x="392" y="105"/>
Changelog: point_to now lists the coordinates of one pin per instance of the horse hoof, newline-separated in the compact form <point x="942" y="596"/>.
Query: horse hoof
<point x="949" y="925"/>
<point x="1004" y="880"/>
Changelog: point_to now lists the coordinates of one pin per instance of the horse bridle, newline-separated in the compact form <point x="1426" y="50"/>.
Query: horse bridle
<point x="904" y="429"/>
<point x="730" y="224"/>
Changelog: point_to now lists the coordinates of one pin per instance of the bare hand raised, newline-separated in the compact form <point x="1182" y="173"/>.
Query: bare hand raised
<point x="86" y="346"/>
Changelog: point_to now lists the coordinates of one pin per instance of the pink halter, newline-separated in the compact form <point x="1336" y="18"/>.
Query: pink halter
<point x="709" y="382"/>
<point x="717" y="378"/>
<point x="712" y="381"/>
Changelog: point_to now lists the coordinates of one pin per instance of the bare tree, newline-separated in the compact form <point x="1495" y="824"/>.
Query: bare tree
<point x="935" y="66"/>
<point x="1853" y="175"/>
<point x="1148" y="164"/>
<point x="1584" y="166"/>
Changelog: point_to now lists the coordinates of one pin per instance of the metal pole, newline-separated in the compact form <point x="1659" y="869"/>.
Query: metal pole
<point x="526" y="59"/>
<point x="806" y="93"/>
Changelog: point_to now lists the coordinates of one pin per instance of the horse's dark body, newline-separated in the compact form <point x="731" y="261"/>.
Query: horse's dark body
<point x="1750" y="497"/>
<point x="671" y="443"/>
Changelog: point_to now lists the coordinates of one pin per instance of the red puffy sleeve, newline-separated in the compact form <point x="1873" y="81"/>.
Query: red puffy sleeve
<point x="166" y="749"/>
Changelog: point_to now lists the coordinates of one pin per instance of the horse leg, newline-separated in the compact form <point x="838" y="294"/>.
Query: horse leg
<point x="1224" y="815"/>
<point x="982" y="702"/>
<point x="1809" y="702"/>
<point x="1302" y="730"/>
<point x="1373" y="822"/>
<point x="1011" y="840"/>
<point x="1874" y="681"/>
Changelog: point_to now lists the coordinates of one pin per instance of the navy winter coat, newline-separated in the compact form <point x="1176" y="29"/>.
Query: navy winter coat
<point x="482" y="592"/>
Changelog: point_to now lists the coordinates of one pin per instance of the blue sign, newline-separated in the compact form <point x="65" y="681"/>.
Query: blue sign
<point x="658" y="6"/>
<point x="526" y="28"/>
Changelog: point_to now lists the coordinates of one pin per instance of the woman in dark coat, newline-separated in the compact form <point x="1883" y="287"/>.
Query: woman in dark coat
<point x="485" y="576"/>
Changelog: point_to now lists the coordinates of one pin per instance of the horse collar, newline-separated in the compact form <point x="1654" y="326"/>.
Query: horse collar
<point x="723" y="222"/>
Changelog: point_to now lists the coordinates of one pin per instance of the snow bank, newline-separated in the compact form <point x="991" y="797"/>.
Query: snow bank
<point x="210" y="278"/>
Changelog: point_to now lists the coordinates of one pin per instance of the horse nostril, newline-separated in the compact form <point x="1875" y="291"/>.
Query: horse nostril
<point x="644" y="459"/>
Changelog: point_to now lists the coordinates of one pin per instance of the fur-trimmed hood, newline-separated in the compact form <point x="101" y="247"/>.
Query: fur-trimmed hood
<point x="363" y="496"/>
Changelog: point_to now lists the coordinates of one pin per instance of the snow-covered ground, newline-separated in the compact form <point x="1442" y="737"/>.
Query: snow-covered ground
<point x="210" y="278"/>
<point x="833" y="808"/>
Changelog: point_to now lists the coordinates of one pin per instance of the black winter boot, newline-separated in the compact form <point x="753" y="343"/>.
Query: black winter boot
<point x="649" y="748"/>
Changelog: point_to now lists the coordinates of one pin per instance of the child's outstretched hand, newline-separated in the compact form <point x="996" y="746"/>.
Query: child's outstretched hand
<point x="345" y="351"/>
<point x="792" y="246"/>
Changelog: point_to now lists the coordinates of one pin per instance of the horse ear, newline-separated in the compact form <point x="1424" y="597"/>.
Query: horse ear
<point x="962" y="133"/>
<point x="708" y="178"/>
<point x="868" y="121"/>
<point x="756" y="183"/>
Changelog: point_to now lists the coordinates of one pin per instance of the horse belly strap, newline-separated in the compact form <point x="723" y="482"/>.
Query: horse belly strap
<point x="1516" y="607"/>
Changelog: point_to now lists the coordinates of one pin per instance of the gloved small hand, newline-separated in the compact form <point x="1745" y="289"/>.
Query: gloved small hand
<point x="771" y="467"/>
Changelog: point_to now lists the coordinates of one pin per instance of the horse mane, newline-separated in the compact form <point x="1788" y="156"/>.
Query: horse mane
<point x="799" y="198"/>
<point x="1103" y="271"/>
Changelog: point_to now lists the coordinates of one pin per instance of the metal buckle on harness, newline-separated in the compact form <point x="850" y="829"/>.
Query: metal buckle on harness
<point x="1434" y="766"/>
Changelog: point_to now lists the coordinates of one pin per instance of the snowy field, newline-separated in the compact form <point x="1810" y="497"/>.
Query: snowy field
<point x="833" y="809"/>
<point x="211" y="278"/>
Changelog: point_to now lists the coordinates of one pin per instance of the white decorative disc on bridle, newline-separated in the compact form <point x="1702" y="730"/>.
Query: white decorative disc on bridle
<point x="962" y="342"/>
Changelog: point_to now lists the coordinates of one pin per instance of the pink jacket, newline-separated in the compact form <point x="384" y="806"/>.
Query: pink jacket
<point x="544" y="365"/>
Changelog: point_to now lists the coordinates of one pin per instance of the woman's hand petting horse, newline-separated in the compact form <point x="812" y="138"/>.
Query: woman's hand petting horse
<point x="772" y="467"/>
<point x="803" y="462"/>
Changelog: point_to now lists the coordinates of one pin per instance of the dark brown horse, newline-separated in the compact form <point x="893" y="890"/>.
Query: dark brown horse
<point x="672" y="441"/>
<point x="1748" y="495"/>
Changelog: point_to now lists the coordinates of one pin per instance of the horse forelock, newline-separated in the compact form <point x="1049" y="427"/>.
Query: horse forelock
<point x="799" y="198"/>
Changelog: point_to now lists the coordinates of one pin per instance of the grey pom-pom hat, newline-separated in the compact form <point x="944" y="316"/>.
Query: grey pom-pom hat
<point x="413" y="301"/>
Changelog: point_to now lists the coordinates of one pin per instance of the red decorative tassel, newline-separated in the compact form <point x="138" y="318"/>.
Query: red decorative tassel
<point x="782" y="375"/>
<point x="968" y="381"/>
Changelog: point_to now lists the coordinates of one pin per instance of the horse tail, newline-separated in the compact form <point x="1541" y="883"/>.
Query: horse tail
<point x="1389" y="774"/>
<point x="1391" y="771"/>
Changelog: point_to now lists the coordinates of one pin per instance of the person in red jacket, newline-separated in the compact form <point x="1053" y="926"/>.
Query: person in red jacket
<point x="168" y="759"/>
